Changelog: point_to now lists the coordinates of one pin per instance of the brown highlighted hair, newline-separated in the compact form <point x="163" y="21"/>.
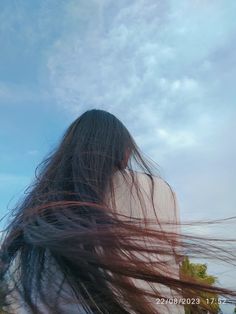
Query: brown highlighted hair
<point x="64" y="226"/>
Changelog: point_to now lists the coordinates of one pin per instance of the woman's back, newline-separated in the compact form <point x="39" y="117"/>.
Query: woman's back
<point x="160" y="209"/>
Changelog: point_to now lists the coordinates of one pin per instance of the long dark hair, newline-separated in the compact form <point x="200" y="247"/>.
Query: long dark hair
<point x="64" y="228"/>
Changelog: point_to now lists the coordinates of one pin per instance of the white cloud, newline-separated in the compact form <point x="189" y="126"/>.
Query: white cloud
<point x="176" y="139"/>
<point x="185" y="85"/>
<point x="138" y="57"/>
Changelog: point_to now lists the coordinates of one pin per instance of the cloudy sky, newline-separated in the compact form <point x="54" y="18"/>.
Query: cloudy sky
<point x="167" y="69"/>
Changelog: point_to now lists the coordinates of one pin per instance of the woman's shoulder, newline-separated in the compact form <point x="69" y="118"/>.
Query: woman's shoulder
<point x="137" y="191"/>
<point x="145" y="180"/>
<point x="147" y="183"/>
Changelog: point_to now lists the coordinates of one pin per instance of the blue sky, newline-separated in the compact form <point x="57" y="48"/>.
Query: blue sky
<point x="167" y="69"/>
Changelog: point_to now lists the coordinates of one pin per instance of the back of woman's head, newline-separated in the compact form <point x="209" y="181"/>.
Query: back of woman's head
<point x="92" y="149"/>
<point x="97" y="139"/>
<point x="64" y="223"/>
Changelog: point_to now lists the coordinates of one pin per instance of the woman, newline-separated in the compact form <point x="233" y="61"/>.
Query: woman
<point x="93" y="235"/>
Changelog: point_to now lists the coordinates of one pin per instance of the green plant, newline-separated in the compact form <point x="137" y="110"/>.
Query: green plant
<point x="198" y="272"/>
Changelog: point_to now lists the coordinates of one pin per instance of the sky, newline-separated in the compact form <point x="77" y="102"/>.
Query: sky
<point x="167" y="69"/>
